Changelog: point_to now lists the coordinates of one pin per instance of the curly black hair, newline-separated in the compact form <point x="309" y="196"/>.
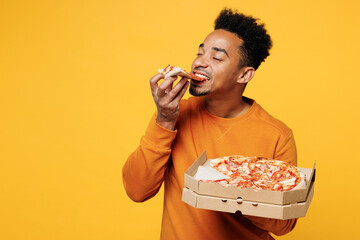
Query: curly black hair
<point x="257" y="41"/>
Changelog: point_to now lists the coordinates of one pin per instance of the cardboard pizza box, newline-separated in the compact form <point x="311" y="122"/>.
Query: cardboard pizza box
<point x="283" y="212"/>
<point x="259" y="196"/>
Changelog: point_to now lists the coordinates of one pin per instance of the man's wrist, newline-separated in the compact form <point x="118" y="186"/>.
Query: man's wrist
<point x="167" y="125"/>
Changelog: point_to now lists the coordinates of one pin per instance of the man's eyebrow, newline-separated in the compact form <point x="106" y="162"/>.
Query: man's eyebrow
<point x="220" y="50"/>
<point x="215" y="49"/>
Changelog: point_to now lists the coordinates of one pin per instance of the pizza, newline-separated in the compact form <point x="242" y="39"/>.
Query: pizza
<point x="258" y="173"/>
<point x="177" y="71"/>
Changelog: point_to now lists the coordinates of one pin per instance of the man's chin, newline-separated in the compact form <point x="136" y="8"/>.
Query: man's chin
<point x="197" y="93"/>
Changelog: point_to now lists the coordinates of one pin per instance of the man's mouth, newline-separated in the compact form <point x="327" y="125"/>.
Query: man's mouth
<point x="201" y="75"/>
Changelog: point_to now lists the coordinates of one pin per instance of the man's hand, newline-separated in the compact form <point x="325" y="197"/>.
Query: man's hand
<point x="167" y="99"/>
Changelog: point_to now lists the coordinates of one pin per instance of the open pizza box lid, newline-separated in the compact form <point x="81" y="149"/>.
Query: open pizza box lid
<point x="232" y="192"/>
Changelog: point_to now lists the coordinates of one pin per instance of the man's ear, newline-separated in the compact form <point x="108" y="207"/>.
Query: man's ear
<point x="247" y="73"/>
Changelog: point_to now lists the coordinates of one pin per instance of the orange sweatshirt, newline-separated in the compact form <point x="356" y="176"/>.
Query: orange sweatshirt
<point x="164" y="156"/>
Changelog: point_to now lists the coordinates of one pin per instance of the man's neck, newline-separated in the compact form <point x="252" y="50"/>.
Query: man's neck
<point x="227" y="108"/>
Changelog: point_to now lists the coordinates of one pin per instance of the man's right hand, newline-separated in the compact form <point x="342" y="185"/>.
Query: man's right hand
<point x="167" y="99"/>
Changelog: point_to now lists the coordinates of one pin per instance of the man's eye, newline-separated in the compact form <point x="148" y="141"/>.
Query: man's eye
<point x="198" y="54"/>
<point x="217" y="59"/>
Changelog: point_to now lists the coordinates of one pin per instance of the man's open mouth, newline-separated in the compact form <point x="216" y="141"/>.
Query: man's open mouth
<point x="201" y="75"/>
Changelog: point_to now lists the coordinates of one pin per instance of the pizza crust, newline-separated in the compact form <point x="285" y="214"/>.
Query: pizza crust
<point x="302" y="183"/>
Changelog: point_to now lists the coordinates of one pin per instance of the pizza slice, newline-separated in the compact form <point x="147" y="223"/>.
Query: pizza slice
<point x="177" y="71"/>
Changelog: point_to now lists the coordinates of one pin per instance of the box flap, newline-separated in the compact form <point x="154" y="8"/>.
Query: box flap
<point x="189" y="180"/>
<point x="200" y="161"/>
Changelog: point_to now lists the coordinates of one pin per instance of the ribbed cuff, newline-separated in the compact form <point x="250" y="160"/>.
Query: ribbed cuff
<point x="160" y="136"/>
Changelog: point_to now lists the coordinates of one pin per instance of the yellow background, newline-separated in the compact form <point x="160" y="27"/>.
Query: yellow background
<point x="75" y="100"/>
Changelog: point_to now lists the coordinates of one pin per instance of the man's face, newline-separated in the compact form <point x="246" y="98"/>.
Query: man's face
<point x="218" y="58"/>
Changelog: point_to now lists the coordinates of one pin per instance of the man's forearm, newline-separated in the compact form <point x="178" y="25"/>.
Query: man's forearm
<point x="146" y="167"/>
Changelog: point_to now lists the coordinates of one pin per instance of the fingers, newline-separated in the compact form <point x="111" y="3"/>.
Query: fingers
<point x="167" y="98"/>
<point x="154" y="81"/>
<point x="166" y="86"/>
<point x="165" y="93"/>
<point x="179" y="96"/>
<point x="179" y="90"/>
<point x="174" y="103"/>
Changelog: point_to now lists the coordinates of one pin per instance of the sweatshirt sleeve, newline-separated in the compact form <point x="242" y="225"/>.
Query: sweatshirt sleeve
<point x="275" y="226"/>
<point x="145" y="169"/>
<point x="285" y="151"/>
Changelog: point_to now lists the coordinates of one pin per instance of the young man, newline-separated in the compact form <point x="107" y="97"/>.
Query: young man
<point x="219" y="120"/>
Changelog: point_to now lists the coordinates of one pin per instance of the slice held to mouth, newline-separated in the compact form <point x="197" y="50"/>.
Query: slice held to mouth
<point x="177" y="71"/>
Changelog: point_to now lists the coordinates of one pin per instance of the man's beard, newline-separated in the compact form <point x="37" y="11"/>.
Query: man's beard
<point x="196" y="93"/>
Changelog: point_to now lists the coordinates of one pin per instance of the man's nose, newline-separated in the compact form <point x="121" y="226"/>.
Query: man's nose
<point x="201" y="61"/>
